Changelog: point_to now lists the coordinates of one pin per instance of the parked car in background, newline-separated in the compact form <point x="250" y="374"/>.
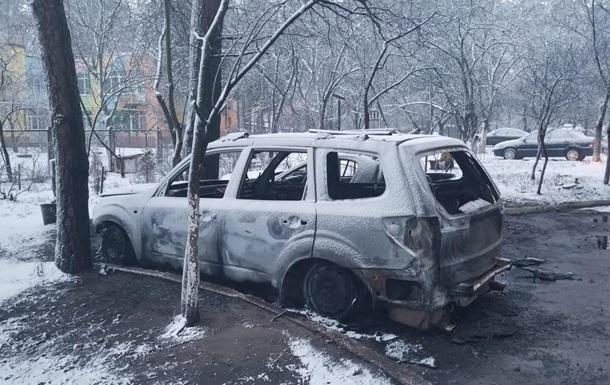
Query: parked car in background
<point x="573" y="145"/>
<point x="504" y="134"/>
<point x="339" y="222"/>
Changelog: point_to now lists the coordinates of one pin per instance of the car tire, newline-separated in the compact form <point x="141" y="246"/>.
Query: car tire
<point x="333" y="292"/>
<point x="116" y="246"/>
<point x="510" y="153"/>
<point x="573" y="154"/>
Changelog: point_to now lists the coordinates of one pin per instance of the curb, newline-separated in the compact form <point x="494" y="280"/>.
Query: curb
<point x="555" y="207"/>
<point x="397" y="372"/>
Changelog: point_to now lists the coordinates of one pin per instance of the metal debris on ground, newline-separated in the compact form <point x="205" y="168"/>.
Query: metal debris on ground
<point x="528" y="261"/>
<point x="545" y="275"/>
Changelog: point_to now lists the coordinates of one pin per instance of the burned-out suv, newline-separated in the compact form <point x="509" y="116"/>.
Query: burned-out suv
<point x="336" y="221"/>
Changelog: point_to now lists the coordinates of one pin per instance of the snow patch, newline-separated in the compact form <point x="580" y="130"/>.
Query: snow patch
<point x="318" y="368"/>
<point x="178" y="333"/>
<point x="337" y="326"/>
<point x="16" y="277"/>
<point x="411" y="353"/>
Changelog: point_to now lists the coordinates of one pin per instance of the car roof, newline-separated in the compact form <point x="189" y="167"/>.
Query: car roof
<point x="347" y="139"/>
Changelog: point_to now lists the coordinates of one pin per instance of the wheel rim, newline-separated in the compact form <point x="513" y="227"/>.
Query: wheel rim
<point x="330" y="291"/>
<point x="510" y="154"/>
<point x="115" y="246"/>
<point x="572" y="155"/>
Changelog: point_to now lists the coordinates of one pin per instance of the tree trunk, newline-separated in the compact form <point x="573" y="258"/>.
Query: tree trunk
<point x="203" y="106"/>
<point x="7" y="160"/>
<point x="72" y="250"/>
<point x="597" y="148"/>
<point x="202" y="16"/>
<point x="546" y="161"/>
<point x="607" y="172"/>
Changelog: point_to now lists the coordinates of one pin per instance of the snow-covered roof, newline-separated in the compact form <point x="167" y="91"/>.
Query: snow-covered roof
<point x="321" y="138"/>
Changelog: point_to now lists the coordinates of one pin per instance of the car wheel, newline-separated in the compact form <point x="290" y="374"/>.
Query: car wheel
<point x="510" y="153"/>
<point x="573" y="154"/>
<point x="116" y="246"/>
<point x="332" y="291"/>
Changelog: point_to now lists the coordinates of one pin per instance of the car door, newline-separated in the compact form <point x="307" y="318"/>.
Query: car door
<point x="269" y="222"/>
<point x="165" y="216"/>
<point x="529" y="146"/>
<point x="556" y="141"/>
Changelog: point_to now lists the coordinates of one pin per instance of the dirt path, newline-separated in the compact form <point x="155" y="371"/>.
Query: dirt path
<point x="109" y="330"/>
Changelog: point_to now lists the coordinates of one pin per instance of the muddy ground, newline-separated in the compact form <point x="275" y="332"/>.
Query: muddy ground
<point x="535" y="332"/>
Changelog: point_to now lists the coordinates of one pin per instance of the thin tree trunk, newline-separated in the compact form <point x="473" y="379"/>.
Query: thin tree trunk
<point x="201" y="18"/>
<point x="538" y="154"/>
<point x="7" y="160"/>
<point x="546" y="161"/>
<point x="597" y="148"/>
<point x="203" y="107"/>
<point x="607" y="172"/>
<point x="72" y="250"/>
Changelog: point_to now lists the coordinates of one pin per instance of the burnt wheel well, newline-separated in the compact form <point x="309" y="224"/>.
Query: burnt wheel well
<point x="294" y="279"/>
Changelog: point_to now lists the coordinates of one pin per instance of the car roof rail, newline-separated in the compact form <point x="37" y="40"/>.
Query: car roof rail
<point x="232" y="136"/>
<point x="374" y="131"/>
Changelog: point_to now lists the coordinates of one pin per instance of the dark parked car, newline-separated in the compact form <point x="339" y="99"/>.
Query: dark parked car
<point x="572" y="145"/>
<point x="504" y="134"/>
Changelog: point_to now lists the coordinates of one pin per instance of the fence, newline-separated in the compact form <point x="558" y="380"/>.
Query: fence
<point x="37" y="144"/>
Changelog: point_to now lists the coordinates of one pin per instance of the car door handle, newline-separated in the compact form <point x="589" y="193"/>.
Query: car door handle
<point x="293" y="221"/>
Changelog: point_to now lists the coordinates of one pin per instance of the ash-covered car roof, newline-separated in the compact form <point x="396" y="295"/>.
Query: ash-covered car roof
<point x="319" y="138"/>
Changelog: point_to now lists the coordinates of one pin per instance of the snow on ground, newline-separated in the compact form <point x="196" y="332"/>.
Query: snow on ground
<point x="178" y="333"/>
<point x="564" y="181"/>
<point x="16" y="277"/>
<point x="320" y="369"/>
<point x="395" y="348"/>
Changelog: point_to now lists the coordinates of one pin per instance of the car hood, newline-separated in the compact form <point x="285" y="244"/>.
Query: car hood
<point x="508" y="143"/>
<point x="135" y="189"/>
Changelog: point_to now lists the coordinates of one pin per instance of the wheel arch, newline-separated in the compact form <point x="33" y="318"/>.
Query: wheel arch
<point x="127" y="224"/>
<point x="293" y="279"/>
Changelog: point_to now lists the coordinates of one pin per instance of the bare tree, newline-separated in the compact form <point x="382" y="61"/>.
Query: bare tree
<point x="72" y="250"/>
<point x="205" y="115"/>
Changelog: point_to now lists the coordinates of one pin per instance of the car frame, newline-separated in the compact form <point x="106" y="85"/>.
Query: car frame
<point x="405" y="246"/>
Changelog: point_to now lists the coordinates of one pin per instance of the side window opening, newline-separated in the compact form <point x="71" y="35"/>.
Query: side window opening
<point x="353" y="176"/>
<point x="458" y="181"/>
<point x="275" y="176"/>
<point x="216" y="170"/>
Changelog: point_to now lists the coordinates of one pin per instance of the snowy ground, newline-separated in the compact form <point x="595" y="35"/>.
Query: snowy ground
<point x="564" y="181"/>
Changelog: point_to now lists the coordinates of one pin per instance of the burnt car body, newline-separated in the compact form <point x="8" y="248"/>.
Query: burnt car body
<point x="333" y="220"/>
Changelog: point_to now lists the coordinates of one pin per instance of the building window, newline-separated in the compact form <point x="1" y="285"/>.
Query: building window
<point x="36" y="122"/>
<point x="84" y="84"/>
<point x="128" y="120"/>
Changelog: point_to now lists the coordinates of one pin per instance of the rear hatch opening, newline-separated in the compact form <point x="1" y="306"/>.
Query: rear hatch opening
<point x="471" y="231"/>
<point x="458" y="181"/>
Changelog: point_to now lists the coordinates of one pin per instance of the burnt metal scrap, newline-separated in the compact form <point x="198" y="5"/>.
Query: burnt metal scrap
<point x="545" y="275"/>
<point x="410" y="223"/>
<point x="527" y="261"/>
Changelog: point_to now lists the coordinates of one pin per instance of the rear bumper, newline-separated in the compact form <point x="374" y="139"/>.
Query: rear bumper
<point x="464" y="293"/>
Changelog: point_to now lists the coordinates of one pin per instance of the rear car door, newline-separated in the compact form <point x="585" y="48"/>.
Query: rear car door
<point x="529" y="147"/>
<point x="270" y="220"/>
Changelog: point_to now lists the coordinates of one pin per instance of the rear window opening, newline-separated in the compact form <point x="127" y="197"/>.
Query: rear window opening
<point x="458" y="181"/>
<point x="353" y="176"/>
